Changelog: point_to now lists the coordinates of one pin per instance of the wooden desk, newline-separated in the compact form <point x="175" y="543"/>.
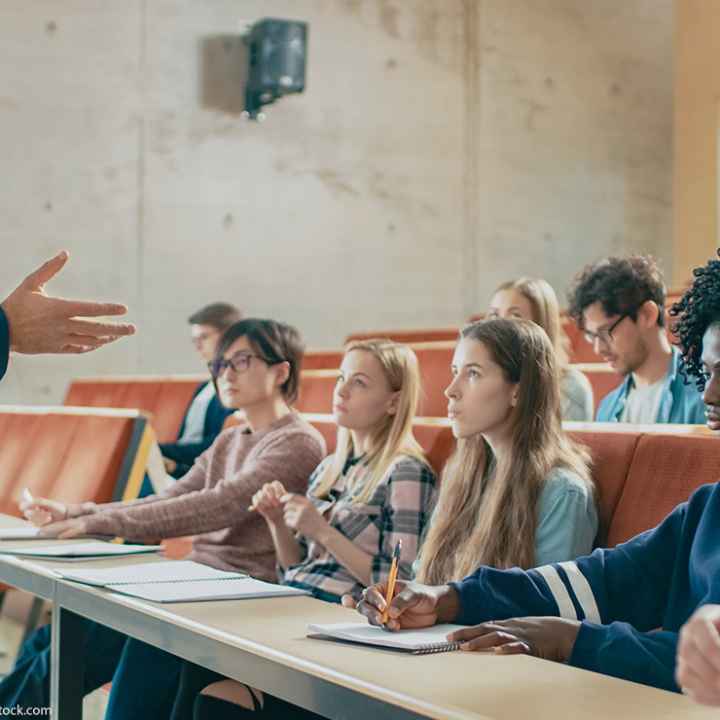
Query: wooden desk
<point x="263" y="643"/>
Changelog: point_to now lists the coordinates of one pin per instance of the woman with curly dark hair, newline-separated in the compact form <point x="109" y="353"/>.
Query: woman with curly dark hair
<point x="698" y="333"/>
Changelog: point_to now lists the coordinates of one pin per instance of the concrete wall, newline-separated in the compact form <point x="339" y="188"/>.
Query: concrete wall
<point x="439" y="148"/>
<point x="575" y="135"/>
<point x="697" y="124"/>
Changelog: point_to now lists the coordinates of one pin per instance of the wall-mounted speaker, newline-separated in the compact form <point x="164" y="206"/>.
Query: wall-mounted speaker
<point x="277" y="56"/>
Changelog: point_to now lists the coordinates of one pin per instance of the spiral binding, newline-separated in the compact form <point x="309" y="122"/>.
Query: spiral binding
<point x="437" y="648"/>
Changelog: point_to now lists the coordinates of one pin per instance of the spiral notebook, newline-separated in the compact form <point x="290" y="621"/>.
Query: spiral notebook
<point x="169" y="571"/>
<point x="416" y="642"/>
<point x="61" y="550"/>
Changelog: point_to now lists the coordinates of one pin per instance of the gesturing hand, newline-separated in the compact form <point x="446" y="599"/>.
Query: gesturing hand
<point x="698" y="661"/>
<point x="64" y="530"/>
<point x="550" y="638"/>
<point x="43" y="324"/>
<point x="41" y="511"/>
<point x="267" y="502"/>
<point x="301" y="515"/>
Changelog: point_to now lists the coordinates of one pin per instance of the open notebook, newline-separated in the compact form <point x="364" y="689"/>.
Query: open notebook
<point x="62" y="550"/>
<point x="22" y="532"/>
<point x="417" y="642"/>
<point x="244" y="588"/>
<point x="178" y="581"/>
<point x="169" y="571"/>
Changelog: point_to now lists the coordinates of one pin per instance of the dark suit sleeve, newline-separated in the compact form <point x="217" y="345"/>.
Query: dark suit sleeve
<point x="4" y="342"/>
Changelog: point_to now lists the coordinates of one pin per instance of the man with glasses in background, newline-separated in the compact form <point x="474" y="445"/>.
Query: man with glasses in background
<point x="619" y="304"/>
<point x="205" y="415"/>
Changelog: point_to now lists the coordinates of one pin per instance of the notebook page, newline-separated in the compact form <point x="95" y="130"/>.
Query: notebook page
<point x="373" y="635"/>
<point x="29" y="532"/>
<point x="161" y="572"/>
<point x="81" y="550"/>
<point x="243" y="589"/>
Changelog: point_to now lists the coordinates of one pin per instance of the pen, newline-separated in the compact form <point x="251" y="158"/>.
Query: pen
<point x="392" y="577"/>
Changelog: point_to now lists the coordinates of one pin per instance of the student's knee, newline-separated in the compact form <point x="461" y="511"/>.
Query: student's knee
<point x="208" y="707"/>
<point x="232" y="692"/>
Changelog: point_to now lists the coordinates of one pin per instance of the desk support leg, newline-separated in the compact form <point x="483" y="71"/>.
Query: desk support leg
<point x="67" y="664"/>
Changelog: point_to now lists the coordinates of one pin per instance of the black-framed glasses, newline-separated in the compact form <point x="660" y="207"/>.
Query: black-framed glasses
<point x="604" y="335"/>
<point x="238" y="363"/>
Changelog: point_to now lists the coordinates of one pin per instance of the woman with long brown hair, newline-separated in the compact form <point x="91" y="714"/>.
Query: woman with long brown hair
<point x="534" y="299"/>
<point x="517" y="491"/>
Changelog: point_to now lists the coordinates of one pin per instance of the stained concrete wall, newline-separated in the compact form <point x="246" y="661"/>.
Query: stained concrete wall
<point x="697" y="128"/>
<point x="575" y="134"/>
<point x="438" y="149"/>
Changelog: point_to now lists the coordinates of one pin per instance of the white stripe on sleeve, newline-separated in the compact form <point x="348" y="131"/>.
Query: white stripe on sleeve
<point x="560" y="594"/>
<point x="583" y="591"/>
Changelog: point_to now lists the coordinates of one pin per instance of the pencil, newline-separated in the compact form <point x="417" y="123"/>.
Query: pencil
<point x="392" y="577"/>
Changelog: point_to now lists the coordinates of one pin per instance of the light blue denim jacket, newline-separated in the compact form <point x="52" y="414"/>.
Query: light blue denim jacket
<point x="680" y="403"/>
<point x="567" y="518"/>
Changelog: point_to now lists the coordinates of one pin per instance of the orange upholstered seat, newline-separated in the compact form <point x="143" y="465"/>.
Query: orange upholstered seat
<point x="665" y="470"/>
<point x="434" y="360"/>
<point x="602" y="378"/>
<point x="164" y="397"/>
<point x="69" y="454"/>
<point x="641" y="472"/>
<point x="322" y="359"/>
<point x="409" y="336"/>
<point x="611" y="454"/>
<point x="316" y="391"/>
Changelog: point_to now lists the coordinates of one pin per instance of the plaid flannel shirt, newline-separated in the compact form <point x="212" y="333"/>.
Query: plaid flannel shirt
<point x="399" y="509"/>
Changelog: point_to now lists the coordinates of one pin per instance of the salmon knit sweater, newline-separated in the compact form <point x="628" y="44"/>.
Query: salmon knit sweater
<point x="211" y="501"/>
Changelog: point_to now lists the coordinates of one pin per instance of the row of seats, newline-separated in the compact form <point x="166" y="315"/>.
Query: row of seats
<point x="641" y="472"/>
<point x="75" y="454"/>
<point x="316" y="386"/>
<point x="579" y="350"/>
<point x="165" y="398"/>
<point x="70" y="454"/>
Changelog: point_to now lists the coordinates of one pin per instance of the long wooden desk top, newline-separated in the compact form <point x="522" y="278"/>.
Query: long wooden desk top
<point x="456" y="685"/>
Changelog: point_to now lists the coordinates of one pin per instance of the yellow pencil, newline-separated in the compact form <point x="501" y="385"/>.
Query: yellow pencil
<point x="392" y="577"/>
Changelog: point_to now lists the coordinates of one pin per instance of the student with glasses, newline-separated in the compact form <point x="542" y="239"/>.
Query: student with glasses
<point x="619" y="304"/>
<point x="205" y="414"/>
<point x="257" y="369"/>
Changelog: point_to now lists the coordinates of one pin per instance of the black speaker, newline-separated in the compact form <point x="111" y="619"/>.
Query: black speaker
<point x="277" y="52"/>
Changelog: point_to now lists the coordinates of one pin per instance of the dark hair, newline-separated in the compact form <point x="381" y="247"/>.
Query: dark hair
<point x="697" y="310"/>
<point x="274" y="342"/>
<point x="620" y="285"/>
<point x="218" y="315"/>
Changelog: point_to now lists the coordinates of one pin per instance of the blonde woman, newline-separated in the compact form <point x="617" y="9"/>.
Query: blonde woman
<point x="534" y="299"/>
<point x="517" y="491"/>
<point x="375" y="490"/>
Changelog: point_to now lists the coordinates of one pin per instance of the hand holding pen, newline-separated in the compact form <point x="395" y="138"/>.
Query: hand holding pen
<point x="392" y="579"/>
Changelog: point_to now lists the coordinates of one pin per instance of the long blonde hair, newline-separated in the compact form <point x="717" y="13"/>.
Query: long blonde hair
<point x="487" y="509"/>
<point x="545" y="313"/>
<point x="393" y="436"/>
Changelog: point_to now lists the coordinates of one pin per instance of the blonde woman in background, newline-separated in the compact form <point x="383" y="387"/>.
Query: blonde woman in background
<point x="534" y="299"/>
